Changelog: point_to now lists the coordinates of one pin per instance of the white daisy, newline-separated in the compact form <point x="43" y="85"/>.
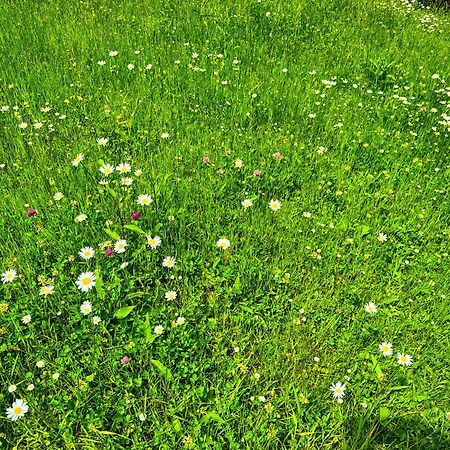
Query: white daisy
<point x="78" y="159"/>
<point x="170" y="295"/>
<point x="370" y="308"/>
<point x="403" y="359"/>
<point x="130" y="66"/>
<point x="101" y="62"/>
<point x="159" y="329"/>
<point x="86" y="252"/>
<point x="142" y="417"/>
<point x="247" y="203"/>
<point x="385" y="348"/>
<point x="338" y="390"/>
<point x="113" y="53"/>
<point x="123" y="168"/>
<point x="169" y="262"/>
<point x="238" y="163"/>
<point x="106" y="169"/>
<point x="164" y="135"/>
<point x="40" y="364"/>
<point x="180" y="321"/>
<point x="12" y="388"/>
<point x="86" y="308"/>
<point x="223" y="244"/>
<point x="153" y="242"/>
<point x="46" y="290"/>
<point x="30" y="387"/>
<point x="18" y="409"/>
<point x="382" y="237"/>
<point x="102" y="141"/>
<point x="81" y="218"/>
<point x="26" y="319"/>
<point x="85" y="281"/>
<point x="144" y="200"/>
<point x="127" y="181"/>
<point x="9" y="276"/>
<point x="138" y="172"/>
<point x="58" y="196"/>
<point x="96" y="320"/>
<point x="23" y="125"/>
<point x="274" y="205"/>
<point x="120" y="246"/>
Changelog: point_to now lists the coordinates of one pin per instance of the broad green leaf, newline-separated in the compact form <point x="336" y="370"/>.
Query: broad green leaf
<point x="135" y="228"/>
<point x="364" y="230"/>
<point x="384" y="413"/>
<point x="123" y="312"/>
<point x="111" y="191"/>
<point x="212" y="415"/>
<point x="162" y="369"/>
<point x="112" y="234"/>
<point x="149" y="336"/>
<point x="177" y="425"/>
<point x="99" y="284"/>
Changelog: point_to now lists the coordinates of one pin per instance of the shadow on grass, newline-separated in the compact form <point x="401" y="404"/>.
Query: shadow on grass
<point x="401" y="433"/>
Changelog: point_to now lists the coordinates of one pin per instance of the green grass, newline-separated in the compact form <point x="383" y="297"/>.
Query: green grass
<point x="345" y="92"/>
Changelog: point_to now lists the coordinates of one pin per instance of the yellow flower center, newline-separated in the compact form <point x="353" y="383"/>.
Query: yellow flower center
<point x="85" y="281"/>
<point x="17" y="410"/>
<point x="338" y="390"/>
<point x="403" y="359"/>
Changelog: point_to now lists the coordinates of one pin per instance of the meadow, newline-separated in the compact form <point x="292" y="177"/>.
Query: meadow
<point x="224" y="225"/>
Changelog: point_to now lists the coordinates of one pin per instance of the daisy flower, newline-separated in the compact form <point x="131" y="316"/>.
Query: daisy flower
<point x="81" y="218"/>
<point x="102" y="141"/>
<point x="113" y="53"/>
<point x="26" y="319"/>
<point x="23" y="125"/>
<point x="370" y="308"/>
<point x="46" y="290"/>
<point x="9" y="276"/>
<point x="403" y="359"/>
<point x="96" y="320"/>
<point x="169" y="262"/>
<point x="338" y="390"/>
<point x="123" y="168"/>
<point x="106" y="169"/>
<point x="85" y="281"/>
<point x="40" y="364"/>
<point x="12" y="388"/>
<point x="119" y="246"/>
<point x="153" y="242"/>
<point x="78" y="159"/>
<point x="247" y="203"/>
<point x="180" y="321"/>
<point x="142" y="417"/>
<point x="385" y="348"/>
<point x="164" y="135"/>
<point x="58" y="196"/>
<point x="101" y="62"/>
<point x="382" y="237"/>
<point x="18" y="409"/>
<point x="238" y="163"/>
<point x="170" y="295"/>
<point x="86" y="308"/>
<point x="86" y="252"/>
<point x="130" y="66"/>
<point x="138" y="172"/>
<point x="274" y="205"/>
<point x="144" y="200"/>
<point x="30" y="387"/>
<point x="127" y="181"/>
<point x="159" y="329"/>
<point x="223" y="244"/>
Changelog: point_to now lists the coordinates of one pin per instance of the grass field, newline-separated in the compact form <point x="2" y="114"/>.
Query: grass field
<point x="224" y="225"/>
